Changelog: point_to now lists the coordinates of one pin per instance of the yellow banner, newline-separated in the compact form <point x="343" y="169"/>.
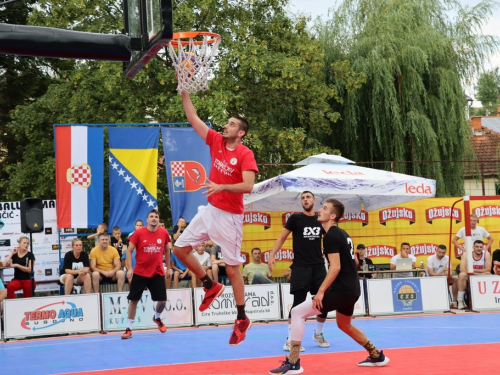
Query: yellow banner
<point x="424" y="224"/>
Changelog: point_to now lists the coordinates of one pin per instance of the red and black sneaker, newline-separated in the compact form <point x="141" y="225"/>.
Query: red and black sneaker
<point x="211" y="294"/>
<point x="127" y="334"/>
<point x="239" y="331"/>
<point x="160" y="324"/>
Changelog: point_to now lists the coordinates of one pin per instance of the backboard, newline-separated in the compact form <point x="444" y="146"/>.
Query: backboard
<point x="149" y="24"/>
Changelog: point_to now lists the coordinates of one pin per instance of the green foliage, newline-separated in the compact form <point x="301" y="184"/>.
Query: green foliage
<point x="269" y="69"/>
<point x="488" y="91"/>
<point x="414" y="59"/>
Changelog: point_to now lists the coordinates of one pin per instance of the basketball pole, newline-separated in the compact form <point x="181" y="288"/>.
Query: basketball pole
<point x="32" y="271"/>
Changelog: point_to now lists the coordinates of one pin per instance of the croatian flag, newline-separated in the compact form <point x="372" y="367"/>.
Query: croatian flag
<point x="133" y="170"/>
<point x="79" y="176"/>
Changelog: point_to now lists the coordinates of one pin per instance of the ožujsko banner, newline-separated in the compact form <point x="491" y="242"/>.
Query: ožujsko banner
<point x="425" y="224"/>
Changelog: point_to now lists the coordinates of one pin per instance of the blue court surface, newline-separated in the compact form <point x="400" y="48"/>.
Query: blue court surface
<point x="210" y="344"/>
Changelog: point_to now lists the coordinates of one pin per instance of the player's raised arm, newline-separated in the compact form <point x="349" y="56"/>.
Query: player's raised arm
<point x="199" y="126"/>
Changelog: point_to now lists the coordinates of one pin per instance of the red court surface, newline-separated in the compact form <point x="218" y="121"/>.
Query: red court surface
<point x="459" y="359"/>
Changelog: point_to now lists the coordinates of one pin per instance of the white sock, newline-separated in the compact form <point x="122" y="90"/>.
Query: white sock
<point x="130" y="323"/>
<point x="461" y="295"/>
<point x="319" y="327"/>
<point x="157" y="315"/>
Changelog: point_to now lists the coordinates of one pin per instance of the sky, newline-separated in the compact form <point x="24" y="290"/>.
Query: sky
<point x="320" y="8"/>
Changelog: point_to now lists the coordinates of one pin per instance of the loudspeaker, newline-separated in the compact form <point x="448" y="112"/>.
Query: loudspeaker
<point x="31" y="215"/>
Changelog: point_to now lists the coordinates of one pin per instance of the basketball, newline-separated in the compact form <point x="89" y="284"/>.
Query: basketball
<point x="188" y="61"/>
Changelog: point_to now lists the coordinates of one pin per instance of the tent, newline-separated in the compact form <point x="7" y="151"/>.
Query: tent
<point x="358" y="188"/>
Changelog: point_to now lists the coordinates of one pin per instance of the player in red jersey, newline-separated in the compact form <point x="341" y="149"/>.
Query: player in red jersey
<point x="150" y="244"/>
<point x="231" y="175"/>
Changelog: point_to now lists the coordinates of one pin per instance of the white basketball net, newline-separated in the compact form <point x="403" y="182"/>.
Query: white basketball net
<point x="193" y="75"/>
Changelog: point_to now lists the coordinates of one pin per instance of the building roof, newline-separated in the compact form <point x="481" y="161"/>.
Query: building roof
<point x="485" y="142"/>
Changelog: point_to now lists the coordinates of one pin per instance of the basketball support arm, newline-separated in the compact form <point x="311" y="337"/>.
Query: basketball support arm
<point x="56" y="43"/>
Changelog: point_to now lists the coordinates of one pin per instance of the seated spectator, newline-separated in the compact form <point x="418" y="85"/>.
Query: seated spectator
<point x="3" y="295"/>
<point x="204" y="259"/>
<point x="404" y="254"/>
<point x="117" y="242"/>
<point x="362" y="260"/>
<point x="101" y="228"/>
<point x="218" y="265"/>
<point x="495" y="265"/>
<point x="181" y="272"/>
<point x="105" y="264"/>
<point x="481" y="264"/>
<point x="287" y="274"/>
<point x="76" y="268"/>
<point x="208" y="247"/>
<point x="179" y="228"/>
<point x="257" y="272"/>
<point x="437" y="265"/>
<point x="23" y="262"/>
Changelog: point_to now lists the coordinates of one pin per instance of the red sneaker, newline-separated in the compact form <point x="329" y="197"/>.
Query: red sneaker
<point x="127" y="334"/>
<point x="211" y="294"/>
<point x="239" y="331"/>
<point x="160" y="325"/>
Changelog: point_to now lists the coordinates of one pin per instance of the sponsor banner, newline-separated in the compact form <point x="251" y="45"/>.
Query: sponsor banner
<point x="261" y="303"/>
<point x="30" y="317"/>
<point x="425" y="224"/>
<point x="485" y="292"/>
<point x="178" y="310"/>
<point x="408" y="295"/>
<point x="257" y="218"/>
<point x="287" y="302"/>
<point x="45" y="245"/>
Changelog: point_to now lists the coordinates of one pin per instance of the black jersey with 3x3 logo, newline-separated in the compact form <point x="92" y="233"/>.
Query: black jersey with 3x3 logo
<point x="306" y="231"/>
<point x="337" y="240"/>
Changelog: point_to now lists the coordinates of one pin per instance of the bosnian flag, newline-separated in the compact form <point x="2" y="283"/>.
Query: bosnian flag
<point x="79" y="176"/>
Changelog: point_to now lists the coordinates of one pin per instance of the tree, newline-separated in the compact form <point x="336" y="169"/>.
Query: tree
<point x="415" y="58"/>
<point x="269" y="69"/>
<point x="488" y="91"/>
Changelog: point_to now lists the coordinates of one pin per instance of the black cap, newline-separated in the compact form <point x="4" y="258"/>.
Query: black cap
<point x="361" y="246"/>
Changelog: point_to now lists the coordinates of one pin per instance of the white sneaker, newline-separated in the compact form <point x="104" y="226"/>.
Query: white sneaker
<point x="286" y="347"/>
<point x="461" y="304"/>
<point x="320" y="339"/>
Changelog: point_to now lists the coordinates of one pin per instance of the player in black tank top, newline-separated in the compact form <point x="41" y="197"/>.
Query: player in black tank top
<point x="339" y="291"/>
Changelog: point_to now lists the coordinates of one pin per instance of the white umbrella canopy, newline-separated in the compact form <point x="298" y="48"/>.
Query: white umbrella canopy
<point x="325" y="158"/>
<point x="356" y="187"/>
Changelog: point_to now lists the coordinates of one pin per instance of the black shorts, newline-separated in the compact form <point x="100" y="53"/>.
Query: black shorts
<point x="307" y="278"/>
<point x="334" y="300"/>
<point x="107" y="280"/>
<point x="222" y="271"/>
<point x="155" y="284"/>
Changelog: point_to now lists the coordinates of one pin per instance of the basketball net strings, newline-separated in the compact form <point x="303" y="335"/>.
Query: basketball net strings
<point x="196" y="81"/>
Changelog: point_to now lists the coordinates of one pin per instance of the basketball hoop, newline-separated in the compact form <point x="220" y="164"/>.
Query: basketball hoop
<point x="191" y="54"/>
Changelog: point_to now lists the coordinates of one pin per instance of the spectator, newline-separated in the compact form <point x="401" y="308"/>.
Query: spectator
<point x="116" y="240"/>
<point x="477" y="233"/>
<point x="161" y="224"/>
<point x="138" y="224"/>
<point x="287" y="274"/>
<point x="257" y="272"/>
<point x="181" y="272"/>
<point x="208" y="246"/>
<point x="362" y="260"/>
<point x="3" y="295"/>
<point x="179" y="228"/>
<point x="481" y="264"/>
<point x="218" y="265"/>
<point x="404" y="254"/>
<point x="105" y="264"/>
<point x="495" y="266"/>
<point x="204" y="259"/>
<point x="76" y="268"/>
<point x="101" y="228"/>
<point x="437" y="265"/>
<point x="23" y="262"/>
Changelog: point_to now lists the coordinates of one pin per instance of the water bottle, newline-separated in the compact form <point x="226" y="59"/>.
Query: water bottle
<point x="365" y="266"/>
<point x="421" y="265"/>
